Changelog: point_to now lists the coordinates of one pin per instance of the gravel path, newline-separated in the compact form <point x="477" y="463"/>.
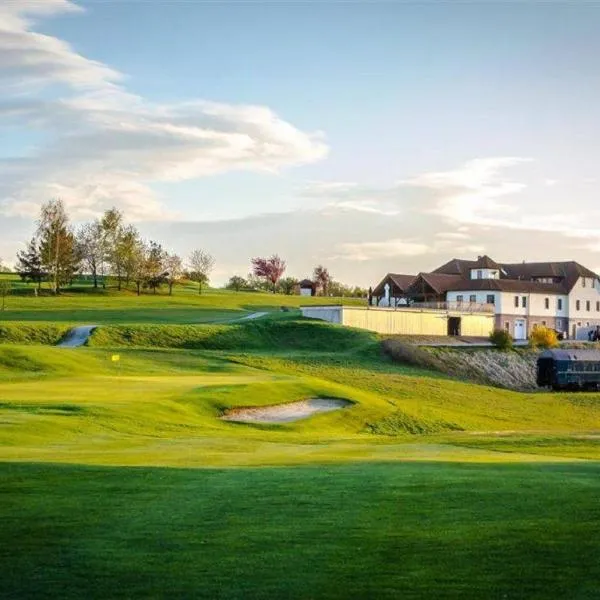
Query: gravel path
<point x="286" y="413"/>
<point x="78" y="336"/>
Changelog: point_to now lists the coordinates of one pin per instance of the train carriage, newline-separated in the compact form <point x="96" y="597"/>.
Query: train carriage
<point x="569" y="369"/>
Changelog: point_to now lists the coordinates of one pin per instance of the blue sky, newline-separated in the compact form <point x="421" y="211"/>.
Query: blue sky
<point x="374" y="136"/>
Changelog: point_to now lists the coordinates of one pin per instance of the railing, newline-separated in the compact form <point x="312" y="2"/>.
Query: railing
<point x="470" y="307"/>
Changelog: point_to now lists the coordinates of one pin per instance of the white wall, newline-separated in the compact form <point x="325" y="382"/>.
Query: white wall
<point x="333" y="314"/>
<point x="305" y="291"/>
<point x="589" y="293"/>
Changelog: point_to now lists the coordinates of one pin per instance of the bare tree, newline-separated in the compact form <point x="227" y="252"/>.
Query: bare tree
<point x="271" y="269"/>
<point x="201" y="264"/>
<point x="90" y="239"/>
<point x="174" y="270"/>
<point x="322" y="278"/>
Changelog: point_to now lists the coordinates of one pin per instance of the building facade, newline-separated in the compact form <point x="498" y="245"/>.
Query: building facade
<point x="564" y="296"/>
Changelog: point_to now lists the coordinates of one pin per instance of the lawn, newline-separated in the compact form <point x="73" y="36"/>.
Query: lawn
<point x="353" y="531"/>
<point x="83" y="304"/>
<point x="120" y="479"/>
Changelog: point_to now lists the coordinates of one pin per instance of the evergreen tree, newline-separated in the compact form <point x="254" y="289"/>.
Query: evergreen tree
<point x="29" y="264"/>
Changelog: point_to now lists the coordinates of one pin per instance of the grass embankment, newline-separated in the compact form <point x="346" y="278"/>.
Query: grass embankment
<point x="162" y="406"/>
<point x="360" y="531"/>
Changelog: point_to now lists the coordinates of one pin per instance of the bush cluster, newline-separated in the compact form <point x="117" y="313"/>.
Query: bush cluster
<point x="543" y="337"/>
<point x="501" y="339"/>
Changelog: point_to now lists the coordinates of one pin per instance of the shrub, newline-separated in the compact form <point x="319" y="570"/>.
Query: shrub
<point x="543" y="337"/>
<point x="501" y="339"/>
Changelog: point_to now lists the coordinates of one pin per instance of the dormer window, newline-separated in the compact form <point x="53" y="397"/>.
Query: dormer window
<point x="479" y="274"/>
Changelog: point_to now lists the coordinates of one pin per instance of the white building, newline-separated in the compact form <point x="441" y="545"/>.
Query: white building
<point x="561" y="295"/>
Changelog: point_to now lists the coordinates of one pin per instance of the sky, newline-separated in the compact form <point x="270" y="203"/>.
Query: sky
<point x="370" y="137"/>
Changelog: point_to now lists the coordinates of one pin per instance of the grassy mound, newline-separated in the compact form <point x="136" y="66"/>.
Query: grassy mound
<point x="32" y="333"/>
<point x="267" y="334"/>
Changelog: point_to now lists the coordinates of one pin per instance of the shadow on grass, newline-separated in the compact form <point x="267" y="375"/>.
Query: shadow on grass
<point x="362" y="531"/>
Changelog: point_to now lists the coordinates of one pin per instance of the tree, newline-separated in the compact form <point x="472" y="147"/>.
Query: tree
<point x="174" y="270"/>
<point x="201" y="264"/>
<point x="271" y="269"/>
<point x="322" y="279"/>
<point x="58" y="249"/>
<point x="287" y="285"/>
<point x="29" y="264"/>
<point x="5" y="288"/>
<point x="138" y="264"/>
<point x="90" y="239"/>
<point x="3" y="268"/>
<point x="129" y="248"/>
<point x="155" y="266"/>
<point x="112" y="228"/>
<point x="236" y="283"/>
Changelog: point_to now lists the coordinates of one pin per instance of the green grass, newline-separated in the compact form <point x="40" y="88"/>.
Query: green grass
<point x="162" y="406"/>
<point x="356" y="531"/>
<point x="120" y="480"/>
<point x="85" y="305"/>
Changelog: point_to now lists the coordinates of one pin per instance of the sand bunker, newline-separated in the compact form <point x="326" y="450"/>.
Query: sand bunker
<point x="285" y="413"/>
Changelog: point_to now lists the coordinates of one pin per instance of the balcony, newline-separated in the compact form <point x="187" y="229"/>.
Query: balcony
<point x="464" y="307"/>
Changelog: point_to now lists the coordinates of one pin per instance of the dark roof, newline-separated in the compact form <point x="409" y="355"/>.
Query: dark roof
<point x="567" y="272"/>
<point x="439" y="282"/>
<point x="507" y="285"/>
<point x="457" y="266"/>
<point x="485" y="262"/>
<point x="564" y="273"/>
<point x="306" y="283"/>
<point x="399" y="281"/>
<point x="576" y="355"/>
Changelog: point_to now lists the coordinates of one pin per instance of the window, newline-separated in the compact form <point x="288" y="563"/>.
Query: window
<point x="559" y="324"/>
<point x="507" y="325"/>
<point x="597" y="306"/>
<point x="587" y="305"/>
<point x="516" y="301"/>
<point x="583" y="282"/>
<point x="524" y="301"/>
<point x="479" y="274"/>
<point x="559" y="304"/>
<point x="459" y="299"/>
<point x="547" y="303"/>
<point x="490" y="299"/>
<point x="472" y="298"/>
<point x="577" y="305"/>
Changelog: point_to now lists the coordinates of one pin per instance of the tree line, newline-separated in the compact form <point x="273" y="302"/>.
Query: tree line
<point x="267" y="275"/>
<point x="110" y="248"/>
<point x="105" y="247"/>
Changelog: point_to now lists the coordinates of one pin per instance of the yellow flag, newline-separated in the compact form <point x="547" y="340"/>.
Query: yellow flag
<point x="115" y="358"/>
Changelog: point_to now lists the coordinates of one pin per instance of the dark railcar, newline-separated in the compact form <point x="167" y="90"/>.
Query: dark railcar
<point x="569" y="369"/>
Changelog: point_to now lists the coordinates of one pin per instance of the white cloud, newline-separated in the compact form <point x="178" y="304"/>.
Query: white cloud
<point x="106" y="146"/>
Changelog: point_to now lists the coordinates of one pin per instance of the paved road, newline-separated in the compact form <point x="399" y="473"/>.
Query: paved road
<point x="78" y="336"/>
